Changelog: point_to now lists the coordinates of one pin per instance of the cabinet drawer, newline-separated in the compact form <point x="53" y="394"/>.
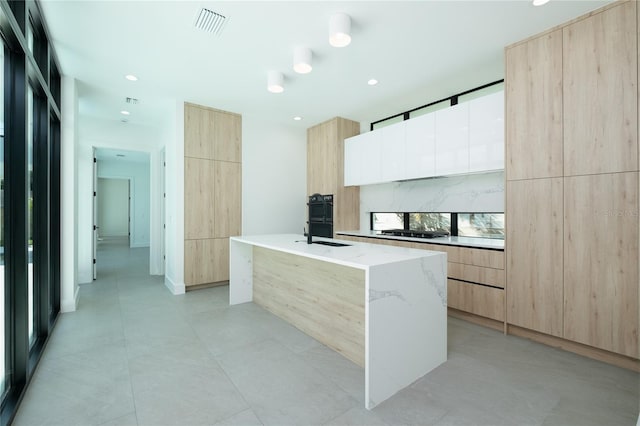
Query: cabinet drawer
<point x="476" y="274"/>
<point x="478" y="257"/>
<point x="476" y="299"/>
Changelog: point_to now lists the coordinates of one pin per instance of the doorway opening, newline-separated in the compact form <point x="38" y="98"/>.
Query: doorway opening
<point x="121" y="209"/>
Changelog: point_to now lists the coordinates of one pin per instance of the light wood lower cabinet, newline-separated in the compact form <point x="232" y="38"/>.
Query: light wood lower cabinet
<point x="534" y="254"/>
<point x="206" y="261"/>
<point x="476" y="299"/>
<point x="601" y="276"/>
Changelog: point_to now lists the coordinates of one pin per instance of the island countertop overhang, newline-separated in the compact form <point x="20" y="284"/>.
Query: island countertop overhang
<point x="356" y="254"/>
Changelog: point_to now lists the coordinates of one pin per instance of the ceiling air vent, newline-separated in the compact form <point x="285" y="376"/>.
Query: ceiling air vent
<point x="210" y="21"/>
<point x="133" y="101"/>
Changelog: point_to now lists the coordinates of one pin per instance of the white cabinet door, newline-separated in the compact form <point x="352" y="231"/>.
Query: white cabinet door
<point x="393" y="152"/>
<point x="486" y="133"/>
<point x="362" y="159"/>
<point x="452" y="140"/>
<point x="370" y="148"/>
<point x="352" y="162"/>
<point x="420" y="152"/>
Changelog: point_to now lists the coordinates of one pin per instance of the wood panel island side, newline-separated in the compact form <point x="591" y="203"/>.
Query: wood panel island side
<point x="382" y="307"/>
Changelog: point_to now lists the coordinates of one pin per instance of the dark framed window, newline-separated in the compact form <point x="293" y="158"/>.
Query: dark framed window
<point x="481" y="225"/>
<point x="29" y="197"/>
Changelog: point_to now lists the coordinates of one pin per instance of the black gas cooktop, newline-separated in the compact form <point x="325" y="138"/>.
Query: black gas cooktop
<point x="414" y="234"/>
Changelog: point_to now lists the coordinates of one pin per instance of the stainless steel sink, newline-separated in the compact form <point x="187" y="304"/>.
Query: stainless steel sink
<point x="331" y="243"/>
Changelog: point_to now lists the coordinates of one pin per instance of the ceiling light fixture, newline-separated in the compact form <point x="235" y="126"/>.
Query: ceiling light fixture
<point x="275" y="81"/>
<point x="372" y="82"/>
<point x="540" y="2"/>
<point x="340" y="30"/>
<point x="297" y="118"/>
<point x="131" y="77"/>
<point x="123" y="112"/>
<point x="302" y="60"/>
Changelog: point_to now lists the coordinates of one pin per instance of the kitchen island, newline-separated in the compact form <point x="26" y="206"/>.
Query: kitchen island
<point x="384" y="308"/>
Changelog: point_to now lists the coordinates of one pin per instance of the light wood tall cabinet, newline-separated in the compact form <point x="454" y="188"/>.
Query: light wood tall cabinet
<point x="325" y="170"/>
<point x="212" y="192"/>
<point x="572" y="209"/>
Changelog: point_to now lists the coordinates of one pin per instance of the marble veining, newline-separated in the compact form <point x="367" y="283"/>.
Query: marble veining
<point x="435" y="281"/>
<point x="483" y="192"/>
<point x="382" y="294"/>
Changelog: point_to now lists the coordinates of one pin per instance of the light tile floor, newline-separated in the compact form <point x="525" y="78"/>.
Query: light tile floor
<point x="133" y="354"/>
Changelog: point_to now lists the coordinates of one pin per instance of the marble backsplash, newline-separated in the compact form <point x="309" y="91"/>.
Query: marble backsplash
<point x="468" y="193"/>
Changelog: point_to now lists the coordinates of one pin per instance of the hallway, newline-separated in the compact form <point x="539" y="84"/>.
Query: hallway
<point x="133" y="354"/>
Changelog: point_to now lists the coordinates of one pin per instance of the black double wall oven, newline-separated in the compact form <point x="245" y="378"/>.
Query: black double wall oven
<point x="320" y="222"/>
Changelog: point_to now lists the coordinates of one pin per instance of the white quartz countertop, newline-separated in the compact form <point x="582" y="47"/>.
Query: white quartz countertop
<point x="357" y="255"/>
<point x="486" y="243"/>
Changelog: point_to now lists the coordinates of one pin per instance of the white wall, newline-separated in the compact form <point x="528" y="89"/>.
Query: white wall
<point x="113" y="207"/>
<point x="68" y="204"/>
<point x="274" y="177"/>
<point x="139" y="175"/>
<point x="470" y="193"/>
<point x="174" y="203"/>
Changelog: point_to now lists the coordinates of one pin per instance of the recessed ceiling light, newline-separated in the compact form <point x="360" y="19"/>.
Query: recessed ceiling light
<point x="540" y="2"/>
<point x="123" y="112"/>
<point x="297" y="118"/>
<point x="131" y="77"/>
<point x="372" y="82"/>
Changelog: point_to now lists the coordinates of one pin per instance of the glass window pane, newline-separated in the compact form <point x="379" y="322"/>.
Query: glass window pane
<point x="388" y="122"/>
<point x="383" y="221"/>
<point x="430" y="108"/>
<point x="30" y="207"/>
<point x="487" y="225"/>
<point x="2" y="272"/>
<point x="430" y="222"/>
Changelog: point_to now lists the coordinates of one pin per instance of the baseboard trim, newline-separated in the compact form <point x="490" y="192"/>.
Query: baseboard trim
<point x="476" y="319"/>
<point x="577" y="348"/>
<point x="174" y="288"/>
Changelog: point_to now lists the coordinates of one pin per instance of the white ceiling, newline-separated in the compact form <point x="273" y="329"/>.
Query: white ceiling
<point x="120" y="155"/>
<point x="420" y="51"/>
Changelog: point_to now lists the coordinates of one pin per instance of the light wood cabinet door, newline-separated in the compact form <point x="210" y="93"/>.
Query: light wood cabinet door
<point x="477" y="299"/>
<point x="601" y="261"/>
<point x="534" y="225"/>
<point x="227" y="199"/>
<point x="600" y="93"/>
<point x="198" y="134"/>
<point x="206" y="261"/>
<point x="322" y="159"/>
<point x="199" y="198"/>
<point x="533" y="87"/>
<point x="227" y="136"/>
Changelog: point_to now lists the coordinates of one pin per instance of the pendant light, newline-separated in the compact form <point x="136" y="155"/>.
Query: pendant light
<point x="302" y="60"/>
<point x="340" y="30"/>
<point x="275" y="81"/>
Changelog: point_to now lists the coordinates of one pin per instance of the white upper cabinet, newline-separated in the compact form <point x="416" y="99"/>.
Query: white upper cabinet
<point x="420" y="143"/>
<point x="393" y="152"/>
<point x="452" y="140"/>
<point x="465" y="138"/>
<point x="363" y="159"/>
<point x="486" y="133"/>
<point x="352" y="162"/>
